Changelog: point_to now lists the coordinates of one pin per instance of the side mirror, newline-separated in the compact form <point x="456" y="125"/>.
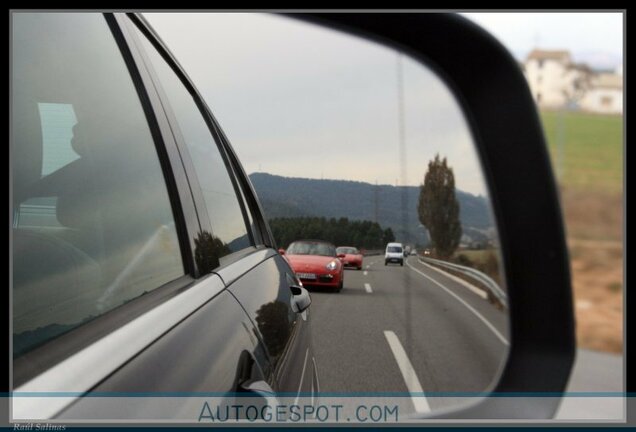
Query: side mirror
<point x="543" y="337"/>
<point x="301" y="299"/>
<point x="281" y="251"/>
<point x="341" y="256"/>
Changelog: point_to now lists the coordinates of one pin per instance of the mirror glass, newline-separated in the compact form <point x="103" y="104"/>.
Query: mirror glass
<point x="354" y="143"/>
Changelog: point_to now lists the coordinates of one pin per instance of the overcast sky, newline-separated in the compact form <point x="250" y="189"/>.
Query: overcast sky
<point x="299" y="100"/>
<point x="592" y="37"/>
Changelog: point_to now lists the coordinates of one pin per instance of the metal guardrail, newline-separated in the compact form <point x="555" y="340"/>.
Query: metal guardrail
<point x="484" y="279"/>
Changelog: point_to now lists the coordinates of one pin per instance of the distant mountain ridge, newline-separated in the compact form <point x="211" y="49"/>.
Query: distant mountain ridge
<point x="294" y="197"/>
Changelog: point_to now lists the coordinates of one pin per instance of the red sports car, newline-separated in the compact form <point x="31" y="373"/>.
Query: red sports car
<point x="316" y="263"/>
<point x="352" y="256"/>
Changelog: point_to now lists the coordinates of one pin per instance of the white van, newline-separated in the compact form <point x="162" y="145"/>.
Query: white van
<point x="394" y="253"/>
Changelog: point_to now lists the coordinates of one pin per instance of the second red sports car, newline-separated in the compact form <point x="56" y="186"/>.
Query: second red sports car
<point x="316" y="263"/>
<point x="352" y="256"/>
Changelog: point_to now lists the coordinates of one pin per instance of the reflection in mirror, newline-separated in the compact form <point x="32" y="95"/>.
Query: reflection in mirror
<point x="353" y="143"/>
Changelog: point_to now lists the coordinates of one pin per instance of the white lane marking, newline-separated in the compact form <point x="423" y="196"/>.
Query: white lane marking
<point x="313" y="359"/>
<point x="481" y="293"/>
<point x="469" y="307"/>
<point x="302" y="377"/>
<point x="408" y="373"/>
<point x="366" y="273"/>
<point x="368" y="288"/>
<point x="313" y="392"/>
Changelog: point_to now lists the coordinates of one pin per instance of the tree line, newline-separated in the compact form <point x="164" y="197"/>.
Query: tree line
<point x="362" y="234"/>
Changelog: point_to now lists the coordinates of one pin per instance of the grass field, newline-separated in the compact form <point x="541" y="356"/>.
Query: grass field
<point x="589" y="169"/>
<point x="591" y="150"/>
<point x="587" y="157"/>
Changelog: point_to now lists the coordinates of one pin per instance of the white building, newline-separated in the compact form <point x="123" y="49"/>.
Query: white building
<point x="556" y="83"/>
<point x="554" y="80"/>
<point x="605" y="94"/>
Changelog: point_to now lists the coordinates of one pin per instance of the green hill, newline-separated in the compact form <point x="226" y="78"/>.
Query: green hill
<point x="396" y="206"/>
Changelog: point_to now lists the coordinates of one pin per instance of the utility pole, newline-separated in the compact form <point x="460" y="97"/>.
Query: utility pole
<point x="401" y="122"/>
<point x="402" y="151"/>
<point x="404" y="194"/>
<point x="376" y="197"/>
<point x="560" y="141"/>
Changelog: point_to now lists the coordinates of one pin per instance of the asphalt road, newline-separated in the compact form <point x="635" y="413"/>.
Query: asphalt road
<point x="406" y="329"/>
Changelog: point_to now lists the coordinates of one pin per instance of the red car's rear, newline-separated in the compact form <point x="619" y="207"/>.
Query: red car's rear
<point x="352" y="256"/>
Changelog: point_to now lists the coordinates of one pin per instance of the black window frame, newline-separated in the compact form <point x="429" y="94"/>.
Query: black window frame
<point x="258" y="215"/>
<point x="234" y="169"/>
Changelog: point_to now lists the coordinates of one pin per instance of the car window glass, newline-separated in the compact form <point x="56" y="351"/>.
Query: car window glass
<point x="221" y="200"/>
<point x="347" y="250"/>
<point x="57" y="131"/>
<point x="306" y="248"/>
<point x="93" y="226"/>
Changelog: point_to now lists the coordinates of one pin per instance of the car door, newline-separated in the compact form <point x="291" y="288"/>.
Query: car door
<point x="113" y="288"/>
<point x="258" y="277"/>
<point x="266" y="292"/>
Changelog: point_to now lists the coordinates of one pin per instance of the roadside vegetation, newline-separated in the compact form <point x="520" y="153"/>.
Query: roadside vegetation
<point x="485" y="260"/>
